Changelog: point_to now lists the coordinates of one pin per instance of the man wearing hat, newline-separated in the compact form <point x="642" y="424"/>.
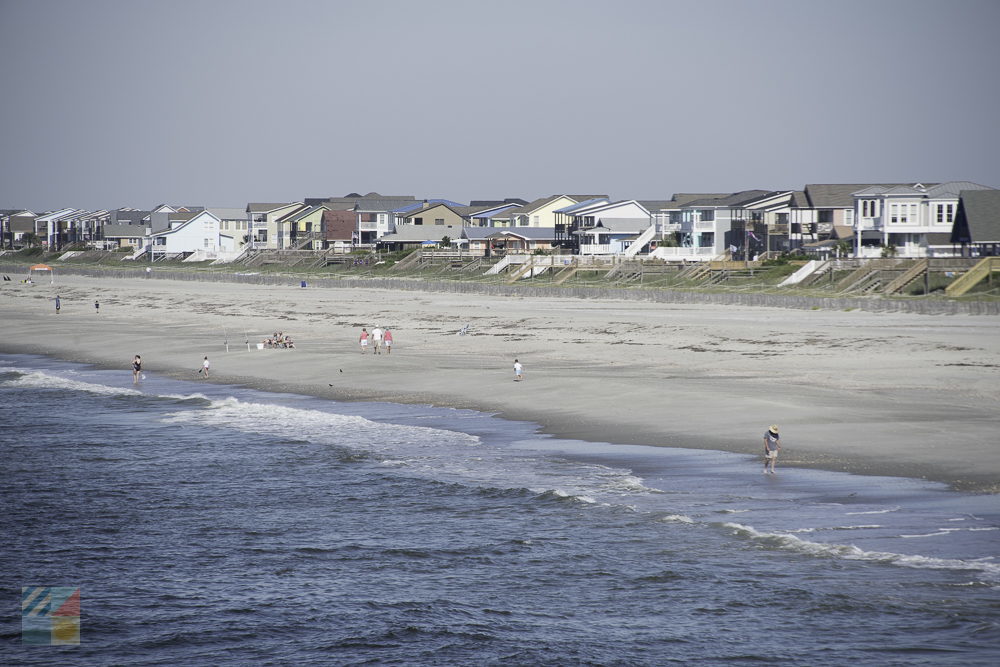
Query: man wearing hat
<point x="771" y="448"/>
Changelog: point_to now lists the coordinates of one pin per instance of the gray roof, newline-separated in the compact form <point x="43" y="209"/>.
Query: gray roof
<point x="123" y="231"/>
<point x="383" y="204"/>
<point x="264" y="208"/>
<point x="841" y="195"/>
<point x="978" y="217"/>
<point x="538" y="203"/>
<point x="953" y="189"/>
<point x="653" y="205"/>
<point x="298" y="214"/>
<point x="736" y="199"/>
<point x="682" y="198"/>
<point x="223" y="213"/>
<point x="419" y="233"/>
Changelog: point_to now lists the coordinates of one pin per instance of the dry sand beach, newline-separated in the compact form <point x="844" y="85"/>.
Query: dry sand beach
<point x="890" y="394"/>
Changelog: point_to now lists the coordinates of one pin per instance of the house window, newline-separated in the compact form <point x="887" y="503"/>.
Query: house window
<point x="708" y="215"/>
<point x="369" y="217"/>
<point x="675" y="217"/>
<point x="782" y="218"/>
<point x="438" y="221"/>
<point x="536" y="220"/>
<point x="902" y="213"/>
<point x="945" y="213"/>
<point x="825" y="215"/>
<point x="869" y="208"/>
<point x="418" y="221"/>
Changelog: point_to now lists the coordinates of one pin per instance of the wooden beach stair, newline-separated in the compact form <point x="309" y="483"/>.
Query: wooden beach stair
<point x="900" y="282"/>
<point x="985" y="267"/>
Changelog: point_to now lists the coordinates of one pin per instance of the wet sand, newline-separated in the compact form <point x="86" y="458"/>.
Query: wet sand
<point x="870" y="393"/>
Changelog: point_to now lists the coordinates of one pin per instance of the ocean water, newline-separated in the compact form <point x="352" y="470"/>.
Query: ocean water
<point x="217" y="525"/>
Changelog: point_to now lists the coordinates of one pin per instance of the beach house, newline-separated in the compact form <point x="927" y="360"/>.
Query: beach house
<point x="909" y="220"/>
<point x="262" y="224"/>
<point x="193" y="236"/>
<point x="703" y="227"/>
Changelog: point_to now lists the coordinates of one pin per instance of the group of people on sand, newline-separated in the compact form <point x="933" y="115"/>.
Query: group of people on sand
<point x="279" y="340"/>
<point x="376" y="339"/>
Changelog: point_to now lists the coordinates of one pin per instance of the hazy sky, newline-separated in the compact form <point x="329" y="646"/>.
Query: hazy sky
<point x="109" y="103"/>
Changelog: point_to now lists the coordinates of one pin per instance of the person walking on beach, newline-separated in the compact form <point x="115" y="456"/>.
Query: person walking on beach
<point x="387" y="339"/>
<point x="518" y="371"/>
<point x="58" y="304"/>
<point x="204" y="367"/>
<point x="136" y="368"/>
<point x="363" y="339"/>
<point x="377" y="340"/>
<point x="771" y="448"/>
<point x="97" y="306"/>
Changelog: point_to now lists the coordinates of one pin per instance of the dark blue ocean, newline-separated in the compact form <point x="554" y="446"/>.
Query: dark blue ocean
<point x="216" y="525"/>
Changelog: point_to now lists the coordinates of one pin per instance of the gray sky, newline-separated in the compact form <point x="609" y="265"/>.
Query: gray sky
<point x="109" y="103"/>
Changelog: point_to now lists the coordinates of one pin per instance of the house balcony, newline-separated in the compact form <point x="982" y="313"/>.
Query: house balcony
<point x="595" y="248"/>
<point x="368" y="226"/>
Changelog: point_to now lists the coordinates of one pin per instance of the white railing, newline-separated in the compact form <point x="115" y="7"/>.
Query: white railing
<point x="677" y="254"/>
<point x="595" y="249"/>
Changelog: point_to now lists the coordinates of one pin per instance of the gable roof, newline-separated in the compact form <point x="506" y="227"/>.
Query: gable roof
<point x="579" y="205"/>
<point x="735" y="199"/>
<point x="266" y="208"/>
<point x="297" y="214"/>
<point x="421" y="211"/>
<point x="977" y="219"/>
<point x="185" y="218"/>
<point x="841" y="195"/>
<point x="954" y="189"/>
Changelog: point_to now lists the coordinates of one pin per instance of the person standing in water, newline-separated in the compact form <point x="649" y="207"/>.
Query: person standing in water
<point x="136" y="369"/>
<point x="771" y="447"/>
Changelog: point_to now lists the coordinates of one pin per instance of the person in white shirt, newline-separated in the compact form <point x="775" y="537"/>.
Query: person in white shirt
<point x="377" y="340"/>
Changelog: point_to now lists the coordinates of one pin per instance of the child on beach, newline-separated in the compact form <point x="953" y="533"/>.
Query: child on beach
<point x="771" y="448"/>
<point x="518" y="371"/>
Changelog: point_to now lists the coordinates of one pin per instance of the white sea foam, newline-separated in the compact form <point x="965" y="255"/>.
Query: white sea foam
<point x="937" y="534"/>
<point x="42" y="380"/>
<point x="851" y="552"/>
<point x="676" y="518"/>
<point x="885" y="511"/>
<point x="425" y="451"/>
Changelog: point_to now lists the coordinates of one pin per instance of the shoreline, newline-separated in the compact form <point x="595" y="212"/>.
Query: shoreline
<point x="872" y="394"/>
